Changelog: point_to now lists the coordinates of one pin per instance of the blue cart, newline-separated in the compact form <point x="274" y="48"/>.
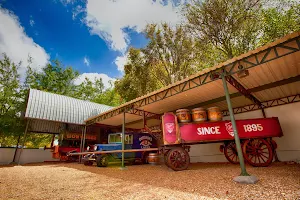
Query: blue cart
<point x="132" y="141"/>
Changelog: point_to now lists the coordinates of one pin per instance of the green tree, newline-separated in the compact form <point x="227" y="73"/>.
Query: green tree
<point x="89" y="90"/>
<point x="279" y="21"/>
<point x="137" y="79"/>
<point x="109" y="97"/>
<point x="12" y="101"/>
<point x="229" y="26"/>
<point x="171" y="55"/>
<point x="53" y="78"/>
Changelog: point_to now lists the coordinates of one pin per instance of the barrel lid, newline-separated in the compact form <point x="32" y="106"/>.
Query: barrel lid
<point x="195" y="109"/>
<point x="180" y="110"/>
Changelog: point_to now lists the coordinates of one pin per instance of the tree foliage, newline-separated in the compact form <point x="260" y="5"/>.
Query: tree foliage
<point x="11" y="98"/>
<point x="171" y="53"/>
<point x="53" y="78"/>
<point x="169" y="56"/>
<point x="214" y="31"/>
<point x="230" y="26"/>
<point x="89" y="89"/>
<point x="137" y="79"/>
<point x="279" y="21"/>
<point x="233" y="27"/>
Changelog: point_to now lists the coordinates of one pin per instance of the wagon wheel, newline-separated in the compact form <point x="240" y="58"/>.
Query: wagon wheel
<point x="258" y="152"/>
<point x="102" y="161"/>
<point x="178" y="159"/>
<point x="166" y="159"/>
<point x="230" y="153"/>
<point x="145" y="158"/>
<point x="88" y="163"/>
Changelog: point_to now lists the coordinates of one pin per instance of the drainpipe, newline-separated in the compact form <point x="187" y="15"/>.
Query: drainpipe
<point x="236" y="136"/>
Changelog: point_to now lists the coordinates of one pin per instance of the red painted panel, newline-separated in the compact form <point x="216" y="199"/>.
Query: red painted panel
<point x="214" y="131"/>
<point x="217" y="131"/>
<point x="170" y="129"/>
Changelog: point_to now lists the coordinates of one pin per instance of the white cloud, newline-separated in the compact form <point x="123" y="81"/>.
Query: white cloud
<point x="31" y="22"/>
<point x="76" y="11"/>
<point x="92" y="76"/>
<point x="86" y="61"/>
<point x="107" y="18"/>
<point x="66" y="2"/>
<point x="120" y="61"/>
<point x="17" y="45"/>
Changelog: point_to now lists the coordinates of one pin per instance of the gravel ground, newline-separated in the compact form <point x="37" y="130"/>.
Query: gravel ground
<point x="200" y="181"/>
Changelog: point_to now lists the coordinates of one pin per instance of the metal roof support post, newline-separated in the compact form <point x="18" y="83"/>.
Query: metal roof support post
<point x="16" y="149"/>
<point x="123" y="140"/>
<point x="84" y="134"/>
<point x="263" y="112"/>
<point x="24" y="140"/>
<point x="81" y="142"/>
<point x="236" y="136"/>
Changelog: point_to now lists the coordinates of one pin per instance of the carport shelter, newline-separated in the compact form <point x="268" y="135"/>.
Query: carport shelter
<point x="253" y="82"/>
<point x="49" y="113"/>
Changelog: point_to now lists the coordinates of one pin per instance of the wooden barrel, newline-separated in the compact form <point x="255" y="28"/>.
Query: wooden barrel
<point x="153" y="159"/>
<point x="214" y="114"/>
<point x="183" y="115"/>
<point x="199" y="115"/>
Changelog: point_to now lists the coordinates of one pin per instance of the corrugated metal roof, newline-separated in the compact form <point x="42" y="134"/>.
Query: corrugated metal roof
<point x="53" y="107"/>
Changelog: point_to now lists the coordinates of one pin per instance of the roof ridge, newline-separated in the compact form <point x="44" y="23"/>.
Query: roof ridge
<point x="65" y="96"/>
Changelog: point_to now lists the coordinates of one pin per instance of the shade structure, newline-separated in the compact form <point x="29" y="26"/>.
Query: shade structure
<point x="54" y="107"/>
<point x="274" y="75"/>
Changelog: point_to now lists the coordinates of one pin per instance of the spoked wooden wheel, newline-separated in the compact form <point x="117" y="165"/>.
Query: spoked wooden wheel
<point x="230" y="153"/>
<point x="258" y="152"/>
<point x="178" y="159"/>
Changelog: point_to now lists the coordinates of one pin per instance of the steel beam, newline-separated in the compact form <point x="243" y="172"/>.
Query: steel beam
<point x="266" y="104"/>
<point x="230" y="67"/>
<point x="143" y="113"/>
<point x="242" y="89"/>
<point x="139" y="121"/>
<point x="245" y="92"/>
<point x="252" y="90"/>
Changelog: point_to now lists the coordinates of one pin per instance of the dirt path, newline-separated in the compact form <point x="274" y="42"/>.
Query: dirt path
<point x="201" y="181"/>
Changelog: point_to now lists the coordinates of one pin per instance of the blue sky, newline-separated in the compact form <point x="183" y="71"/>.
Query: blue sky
<point x="92" y="36"/>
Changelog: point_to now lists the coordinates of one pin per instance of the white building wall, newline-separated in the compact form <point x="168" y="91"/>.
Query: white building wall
<point x="289" y="118"/>
<point x="6" y="155"/>
<point x="28" y="155"/>
<point x="288" y="145"/>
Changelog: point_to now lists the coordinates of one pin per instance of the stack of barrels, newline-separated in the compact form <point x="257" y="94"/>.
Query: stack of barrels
<point x="212" y="114"/>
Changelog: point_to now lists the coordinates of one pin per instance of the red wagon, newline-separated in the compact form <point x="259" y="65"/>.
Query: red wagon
<point x="255" y="135"/>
